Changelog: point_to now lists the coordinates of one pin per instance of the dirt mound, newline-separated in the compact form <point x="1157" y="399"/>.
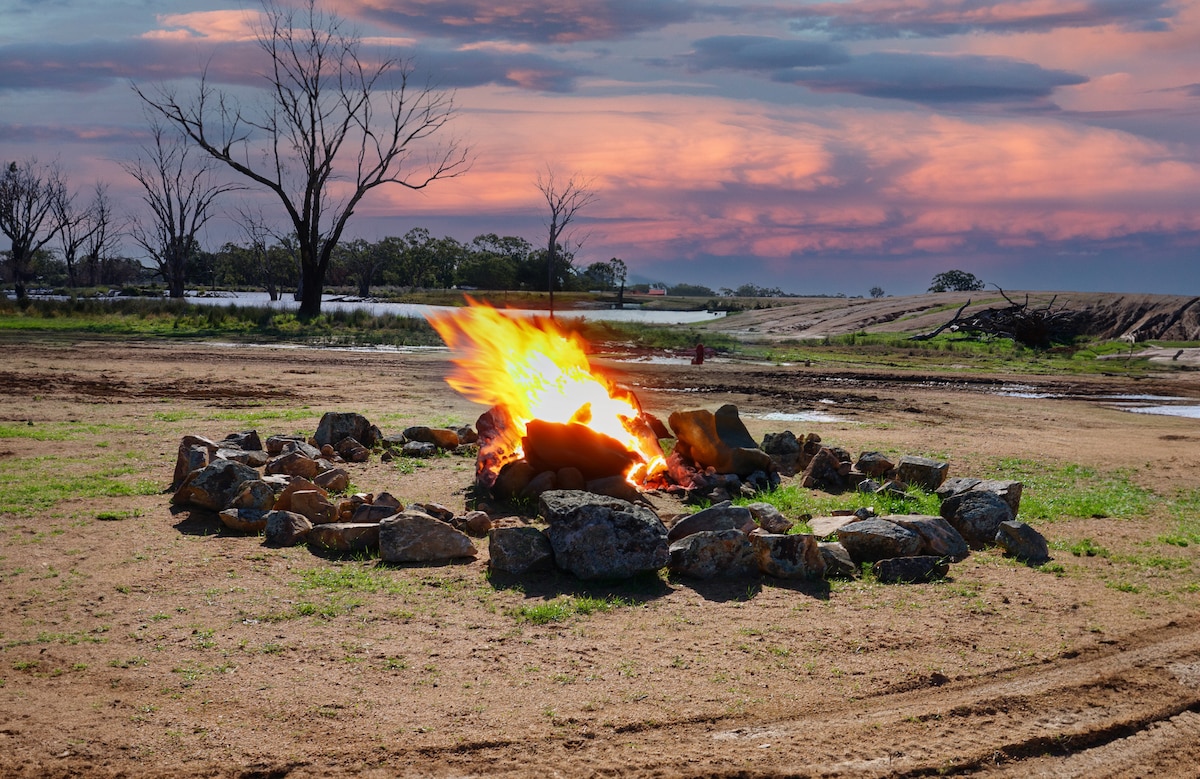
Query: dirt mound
<point x="1101" y="314"/>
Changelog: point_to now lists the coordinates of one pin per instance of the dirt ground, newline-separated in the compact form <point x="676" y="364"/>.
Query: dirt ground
<point x="141" y="641"/>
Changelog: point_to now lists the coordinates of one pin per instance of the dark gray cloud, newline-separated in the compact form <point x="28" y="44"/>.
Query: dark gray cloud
<point x="934" y="79"/>
<point x="939" y="18"/>
<point x="920" y="78"/>
<point x="755" y="52"/>
<point x="88" y="67"/>
<point x="535" y="21"/>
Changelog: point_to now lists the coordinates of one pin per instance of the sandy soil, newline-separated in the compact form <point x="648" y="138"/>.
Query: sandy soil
<point x="138" y="641"/>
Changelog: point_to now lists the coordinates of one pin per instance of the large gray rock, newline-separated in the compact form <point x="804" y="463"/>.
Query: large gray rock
<point x="795" y="556"/>
<point x="877" y="539"/>
<point x="977" y="515"/>
<point x="723" y="516"/>
<point x="518" y="550"/>
<point x="1007" y="489"/>
<point x="938" y="537"/>
<point x="337" y="425"/>
<point x="1023" y="542"/>
<point x="345" y="536"/>
<point x="214" y="486"/>
<point x="923" y="472"/>
<point x="416" y="537"/>
<point x="285" y="528"/>
<point x="910" y="570"/>
<point x="713" y="553"/>
<point x="598" y="537"/>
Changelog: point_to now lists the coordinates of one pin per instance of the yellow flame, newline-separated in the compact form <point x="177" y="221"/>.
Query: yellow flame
<point x="534" y="370"/>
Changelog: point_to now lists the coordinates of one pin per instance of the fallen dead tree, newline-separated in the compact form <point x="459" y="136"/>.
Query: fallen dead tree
<point x="1034" y="327"/>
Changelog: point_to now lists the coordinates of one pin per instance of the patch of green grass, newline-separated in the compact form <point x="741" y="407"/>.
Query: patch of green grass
<point x="116" y="516"/>
<point x="564" y="607"/>
<point x="1053" y="492"/>
<point x="794" y="502"/>
<point x="1087" y="548"/>
<point x="32" y="485"/>
<point x="58" y="431"/>
<point x="350" y="577"/>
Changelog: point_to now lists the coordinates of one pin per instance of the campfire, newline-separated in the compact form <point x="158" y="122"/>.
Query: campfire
<point x="549" y="410"/>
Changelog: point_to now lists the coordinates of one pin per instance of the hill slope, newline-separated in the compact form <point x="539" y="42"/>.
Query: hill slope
<point x="1105" y="315"/>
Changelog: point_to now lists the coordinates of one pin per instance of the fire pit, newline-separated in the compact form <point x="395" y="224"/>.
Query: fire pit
<point x="551" y="416"/>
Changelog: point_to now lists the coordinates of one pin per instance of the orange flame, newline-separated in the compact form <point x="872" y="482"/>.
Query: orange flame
<point x="531" y="370"/>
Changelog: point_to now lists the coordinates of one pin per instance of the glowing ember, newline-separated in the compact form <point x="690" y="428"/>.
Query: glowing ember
<point x="530" y="370"/>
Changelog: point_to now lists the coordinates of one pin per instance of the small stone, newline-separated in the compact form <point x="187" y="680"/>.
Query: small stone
<point x="869" y="540"/>
<point x="368" y="512"/>
<point x="1023" y="542"/>
<point x="723" y="516"/>
<point x="345" y="536"/>
<point x="285" y="528"/>
<point x="420" y="449"/>
<point x="795" y="556"/>
<point x="294" y="464"/>
<point x="873" y="464"/>
<point x="255" y="494"/>
<point x="769" y="518"/>
<point x="336" y="480"/>
<point x="923" y="472"/>
<point x="518" y="550"/>
<point x="313" y="505"/>
<point x="440" y="437"/>
<point x="245" y="520"/>
<point x="283" y="501"/>
<point x="910" y="570"/>
<point x="837" y="560"/>
<point x="570" y="479"/>
<point x="478" y="523"/>
<point x="415" y="537"/>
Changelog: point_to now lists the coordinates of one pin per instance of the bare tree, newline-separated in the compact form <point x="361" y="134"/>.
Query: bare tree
<point x="77" y="226"/>
<point x="331" y="109"/>
<point x="29" y="196"/>
<point x="100" y="245"/>
<point x="564" y="201"/>
<point x="179" y="191"/>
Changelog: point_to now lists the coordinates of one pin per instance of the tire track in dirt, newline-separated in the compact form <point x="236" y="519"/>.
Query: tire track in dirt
<point x="1129" y="708"/>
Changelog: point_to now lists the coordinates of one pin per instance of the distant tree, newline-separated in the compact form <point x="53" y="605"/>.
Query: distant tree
<point x="30" y="195"/>
<point x="362" y="261"/>
<point x="564" y="201"/>
<point x="877" y="292"/>
<point x="77" y="224"/>
<point x="338" y="123"/>
<point x="691" y="291"/>
<point x="179" y="191"/>
<point x="755" y="291"/>
<point x="600" y="275"/>
<point x="955" y="281"/>
<point x="99" y="258"/>
<point x="269" y="259"/>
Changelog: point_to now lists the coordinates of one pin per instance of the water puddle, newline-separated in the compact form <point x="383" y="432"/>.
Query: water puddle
<point x="798" y="416"/>
<point x="1163" y="405"/>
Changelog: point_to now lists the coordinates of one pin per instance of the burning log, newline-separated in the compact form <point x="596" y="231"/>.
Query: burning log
<point x="553" y="445"/>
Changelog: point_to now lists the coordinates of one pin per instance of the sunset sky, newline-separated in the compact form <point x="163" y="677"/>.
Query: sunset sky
<point x="820" y="147"/>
